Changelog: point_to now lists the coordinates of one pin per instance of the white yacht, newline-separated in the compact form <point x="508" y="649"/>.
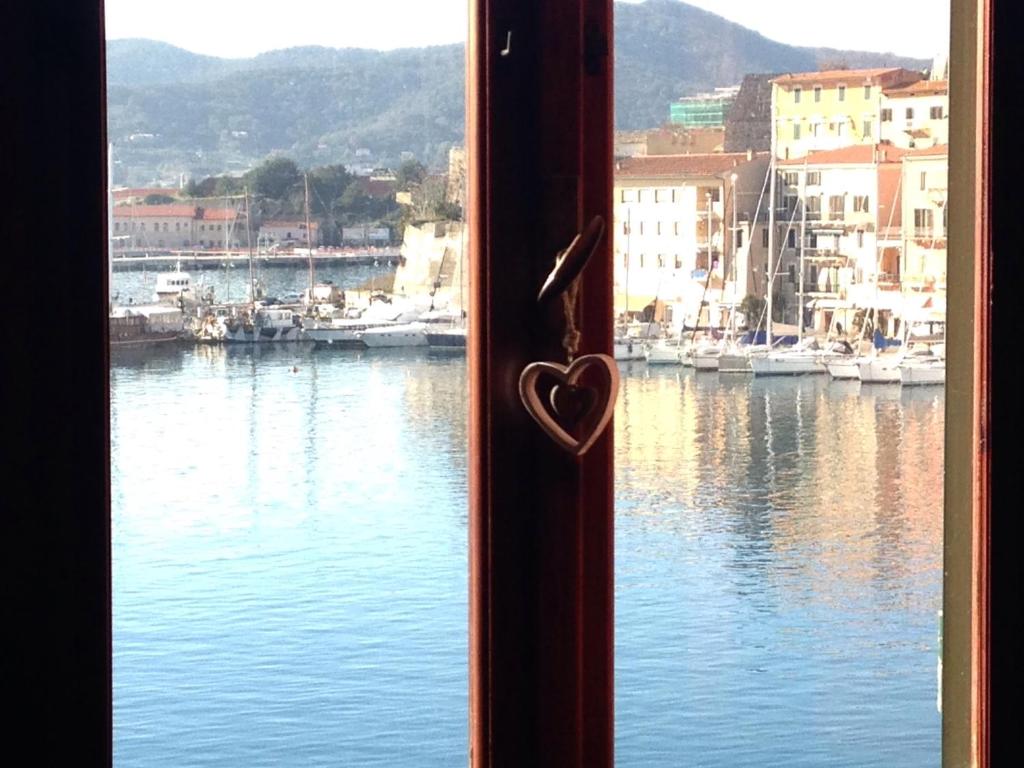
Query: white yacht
<point x="628" y="348"/>
<point x="798" y="360"/>
<point x="346" y="331"/>
<point x="665" y="352"/>
<point x="705" y="355"/>
<point x="397" y="335"/>
<point x="923" y="372"/>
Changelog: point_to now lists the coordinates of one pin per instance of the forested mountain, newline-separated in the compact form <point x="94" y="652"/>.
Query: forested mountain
<point x="173" y="112"/>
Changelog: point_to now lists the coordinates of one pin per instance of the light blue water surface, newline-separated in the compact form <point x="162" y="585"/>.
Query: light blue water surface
<point x="290" y="556"/>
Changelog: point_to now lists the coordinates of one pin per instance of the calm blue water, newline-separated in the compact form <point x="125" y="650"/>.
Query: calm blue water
<point x="289" y="547"/>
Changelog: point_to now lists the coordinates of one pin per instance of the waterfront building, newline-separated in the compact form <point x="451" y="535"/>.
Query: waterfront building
<point x="841" y="210"/>
<point x="289" y="232"/>
<point x="826" y="110"/>
<point x="669" y="140"/>
<point x="925" y="185"/>
<point x="365" y="234"/>
<point x="916" y="116"/>
<point x="176" y="226"/>
<point x="686" y="223"/>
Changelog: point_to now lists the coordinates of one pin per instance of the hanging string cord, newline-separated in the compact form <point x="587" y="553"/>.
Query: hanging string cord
<point x="571" y="340"/>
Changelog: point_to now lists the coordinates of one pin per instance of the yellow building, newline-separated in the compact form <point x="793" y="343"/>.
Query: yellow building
<point x="814" y="111"/>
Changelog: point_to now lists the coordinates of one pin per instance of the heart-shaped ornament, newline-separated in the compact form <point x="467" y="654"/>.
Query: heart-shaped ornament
<point x="575" y="415"/>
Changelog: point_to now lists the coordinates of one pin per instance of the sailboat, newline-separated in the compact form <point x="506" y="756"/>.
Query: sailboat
<point x="260" y="324"/>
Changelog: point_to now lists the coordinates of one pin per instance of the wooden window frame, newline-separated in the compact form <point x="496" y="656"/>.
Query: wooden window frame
<point x="541" y="626"/>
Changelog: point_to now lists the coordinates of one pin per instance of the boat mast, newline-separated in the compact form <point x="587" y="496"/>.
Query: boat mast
<point x="711" y="264"/>
<point x="735" y="254"/>
<point x="110" y="227"/>
<point x="770" y="277"/>
<point x="629" y="258"/>
<point x="803" y="243"/>
<point x="309" y="244"/>
<point x="248" y="242"/>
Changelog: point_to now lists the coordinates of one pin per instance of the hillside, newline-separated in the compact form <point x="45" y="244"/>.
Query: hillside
<point x="174" y="112"/>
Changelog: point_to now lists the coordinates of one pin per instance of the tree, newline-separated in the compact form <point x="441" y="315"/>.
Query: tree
<point x="158" y="199"/>
<point x="410" y="174"/>
<point x="275" y="178"/>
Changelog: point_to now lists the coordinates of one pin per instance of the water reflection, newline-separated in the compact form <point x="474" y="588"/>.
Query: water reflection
<point x="779" y="566"/>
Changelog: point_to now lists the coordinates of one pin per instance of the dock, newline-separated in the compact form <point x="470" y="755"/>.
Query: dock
<point x="208" y="259"/>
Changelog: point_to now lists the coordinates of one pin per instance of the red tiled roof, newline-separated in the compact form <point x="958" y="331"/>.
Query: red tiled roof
<point x="679" y="165"/>
<point x="173" y="211"/>
<point x="857" y="154"/>
<point x="920" y="88"/>
<point x="848" y="76"/>
<point x="124" y="194"/>
<point x="379" y="188"/>
<point x="939" y="150"/>
<point x="150" y="211"/>
<point x="219" y="214"/>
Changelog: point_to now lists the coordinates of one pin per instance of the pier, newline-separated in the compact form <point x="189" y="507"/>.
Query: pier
<point x="209" y="259"/>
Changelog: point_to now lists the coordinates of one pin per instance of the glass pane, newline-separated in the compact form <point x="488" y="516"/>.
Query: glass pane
<point x="779" y="432"/>
<point x="288" y="383"/>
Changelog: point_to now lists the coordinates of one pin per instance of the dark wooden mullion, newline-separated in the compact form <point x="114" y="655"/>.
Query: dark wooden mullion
<point x="531" y="594"/>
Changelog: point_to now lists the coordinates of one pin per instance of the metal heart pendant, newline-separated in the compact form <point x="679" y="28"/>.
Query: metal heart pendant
<point x="574" y="415"/>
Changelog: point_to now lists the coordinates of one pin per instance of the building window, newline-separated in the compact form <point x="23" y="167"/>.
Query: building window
<point x="659" y="195"/>
<point x="923" y="222"/>
<point x="791" y="178"/>
<point x="860" y="238"/>
<point x="640" y="195"/>
<point x="813" y="207"/>
<point x="675" y="228"/>
<point x="202" y="227"/>
<point x="739" y="238"/>
<point x="165" y="226"/>
<point x="764" y="237"/>
<point x="789" y="204"/>
<point x="641" y="261"/>
<point x="842" y="93"/>
<point x="886" y="115"/>
<point x="935" y="113"/>
<point x="924" y="180"/>
<point x="661" y="260"/>
<point x="867" y="91"/>
<point x="796" y="131"/>
<point x="796" y="95"/>
<point x="792" y="274"/>
<point x="117" y="226"/>
<point x="817" y="93"/>
<point x="910" y="113"/>
<point x="679" y="262"/>
<point x="628" y="196"/>
<point x="813" y="178"/>
<point x="867" y="129"/>
<point x="835" y="207"/>
<point x="791" y="238"/>
<point x="625" y="228"/>
<point x="657" y="228"/>
<point x="860" y="204"/>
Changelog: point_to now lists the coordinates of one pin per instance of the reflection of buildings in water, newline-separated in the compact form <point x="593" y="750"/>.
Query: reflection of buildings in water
<point x="436" y="399"/>
<point x="840" y="484"/>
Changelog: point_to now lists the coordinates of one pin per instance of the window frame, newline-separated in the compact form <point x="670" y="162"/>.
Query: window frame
<point x="58" y="533"/>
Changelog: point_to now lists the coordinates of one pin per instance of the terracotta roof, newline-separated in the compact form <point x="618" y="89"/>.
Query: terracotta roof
<point x="858" y="154"/>
<point x="679" y="165"/>
<point x="379" y="188"/>
<point x="173" y="211"/>
<point x="123" y="194"/>
<point x="939" y="150"/>
<point x="151" y="211"/>
<point x="848" y="76"/>
<point x="920" y="88"/>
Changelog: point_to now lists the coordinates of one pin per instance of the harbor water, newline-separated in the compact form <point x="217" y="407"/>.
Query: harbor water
<point x="290" y="557"/>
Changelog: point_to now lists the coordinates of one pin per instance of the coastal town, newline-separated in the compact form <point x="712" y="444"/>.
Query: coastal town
<point x="812" y="204"/>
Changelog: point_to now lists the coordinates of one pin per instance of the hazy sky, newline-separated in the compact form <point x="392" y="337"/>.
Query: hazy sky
<point x="238" y="28"/>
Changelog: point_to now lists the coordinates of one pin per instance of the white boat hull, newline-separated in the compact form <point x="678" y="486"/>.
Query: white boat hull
<point x="705" y="362"/>
<point x="241" y="335"/>
<point x="923" y="374"/>
<point x="734" y="363"/>
<point x="784" y="365"/>
<point x="663" y="355"/>
<point x="879" y="372"/>
<point x="628" y="350"/>
<point x="844" y="369"/>
<point x="395" y="336"/>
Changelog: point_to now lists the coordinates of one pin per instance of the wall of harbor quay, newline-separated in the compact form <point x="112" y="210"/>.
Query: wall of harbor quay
<point x="217" y="260"/>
